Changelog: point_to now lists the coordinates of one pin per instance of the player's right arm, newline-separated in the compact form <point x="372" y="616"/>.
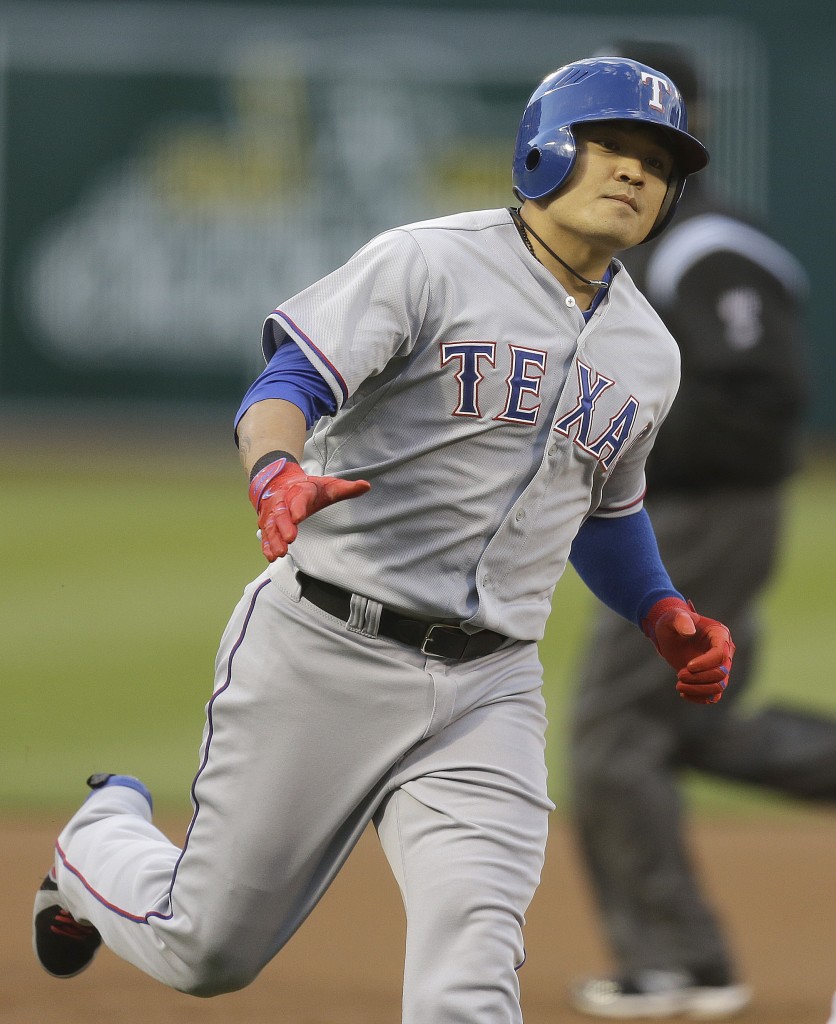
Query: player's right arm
<point x="271" y="435"/>
<point x="273" y="424"/>
<point x="362" y="317"/>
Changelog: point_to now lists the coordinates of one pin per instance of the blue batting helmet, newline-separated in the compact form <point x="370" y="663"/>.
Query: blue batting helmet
<point x="600" y="89"/>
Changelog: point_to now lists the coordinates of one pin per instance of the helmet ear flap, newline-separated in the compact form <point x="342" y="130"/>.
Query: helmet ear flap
<point x="533" y="158"/>
<point x="543" y="162"/>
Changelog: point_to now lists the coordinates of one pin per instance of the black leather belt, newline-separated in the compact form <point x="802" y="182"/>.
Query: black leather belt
<point x="436" y="639"/>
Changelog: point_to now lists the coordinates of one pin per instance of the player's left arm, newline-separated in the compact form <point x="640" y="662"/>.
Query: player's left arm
<point x="618" y="559"/>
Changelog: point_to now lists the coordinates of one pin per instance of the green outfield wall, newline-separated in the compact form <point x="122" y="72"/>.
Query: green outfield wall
<point x="171" y="171"/>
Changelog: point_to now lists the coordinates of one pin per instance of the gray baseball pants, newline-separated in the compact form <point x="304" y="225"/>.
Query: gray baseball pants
<point x="312" y="732"/>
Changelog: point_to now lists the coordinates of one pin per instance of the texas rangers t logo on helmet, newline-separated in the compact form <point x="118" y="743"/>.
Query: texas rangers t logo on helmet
<point x="658" y="84"/>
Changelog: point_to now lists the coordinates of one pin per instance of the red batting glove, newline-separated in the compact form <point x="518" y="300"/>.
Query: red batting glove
<point x="283" y="495"/>
<point x="700" y="649"/>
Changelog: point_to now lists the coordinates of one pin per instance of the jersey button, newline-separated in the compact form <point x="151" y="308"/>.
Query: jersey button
<point x="570" y="301"/>
<point x="553" y="448"/>
<point x="520" y="515"/>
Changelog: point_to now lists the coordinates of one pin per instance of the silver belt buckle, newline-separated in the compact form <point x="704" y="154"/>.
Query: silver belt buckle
<point x="429" y="635"/>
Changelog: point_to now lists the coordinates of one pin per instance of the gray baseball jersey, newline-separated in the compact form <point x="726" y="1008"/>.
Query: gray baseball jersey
<point x="543" y="419"/>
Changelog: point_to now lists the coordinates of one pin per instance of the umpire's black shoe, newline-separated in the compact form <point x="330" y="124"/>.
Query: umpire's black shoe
<point x="63" y="946"/>
<point x="661" y="994"/>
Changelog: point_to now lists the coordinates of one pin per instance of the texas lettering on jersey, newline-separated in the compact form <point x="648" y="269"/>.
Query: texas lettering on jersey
<point x="577" y="424"/>
<point x="473" y="360"/>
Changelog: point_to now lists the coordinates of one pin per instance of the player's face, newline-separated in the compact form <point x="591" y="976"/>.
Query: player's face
<point x="617" y="187"/>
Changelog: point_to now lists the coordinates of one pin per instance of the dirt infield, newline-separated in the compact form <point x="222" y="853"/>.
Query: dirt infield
<point x="775" y="882"/>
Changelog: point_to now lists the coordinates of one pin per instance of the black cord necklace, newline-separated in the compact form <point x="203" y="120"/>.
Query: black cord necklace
<point x="526" y="230"/>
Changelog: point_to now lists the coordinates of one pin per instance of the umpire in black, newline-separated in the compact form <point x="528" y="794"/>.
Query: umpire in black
<point x="733" y="299"/>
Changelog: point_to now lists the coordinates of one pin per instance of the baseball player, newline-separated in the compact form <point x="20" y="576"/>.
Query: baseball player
<point x="442" y="423"/>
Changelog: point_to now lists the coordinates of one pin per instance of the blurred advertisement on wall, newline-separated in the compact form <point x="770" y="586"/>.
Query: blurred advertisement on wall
<point x="172" y="172"/>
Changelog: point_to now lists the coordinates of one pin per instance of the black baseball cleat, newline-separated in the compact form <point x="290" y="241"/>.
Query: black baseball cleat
<point x="102" y="780"/>
<point x="99" y="779"/>
<point x="63" y="946"/>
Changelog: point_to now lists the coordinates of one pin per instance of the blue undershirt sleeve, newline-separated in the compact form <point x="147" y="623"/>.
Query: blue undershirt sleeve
<point x="619" y="560"/>
<point x="290" y="375"/>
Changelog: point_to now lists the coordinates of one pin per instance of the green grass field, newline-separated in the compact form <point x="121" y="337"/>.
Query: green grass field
<point x="121" y="563"/>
